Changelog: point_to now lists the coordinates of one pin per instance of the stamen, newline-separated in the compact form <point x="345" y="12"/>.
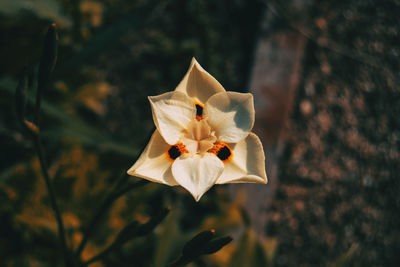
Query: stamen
<point x="222" y="151"/>
<point x="175" y="151"/>
<point x="199" y="110"/>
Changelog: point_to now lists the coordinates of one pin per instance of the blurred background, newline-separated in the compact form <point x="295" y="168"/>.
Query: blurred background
<point x="325" y="76"/>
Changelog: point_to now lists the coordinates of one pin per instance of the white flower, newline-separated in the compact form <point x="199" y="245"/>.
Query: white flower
<point x="202" y="138"/>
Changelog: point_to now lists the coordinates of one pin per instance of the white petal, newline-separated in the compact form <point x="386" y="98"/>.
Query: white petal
<point x="198" y="83"/>
<point x="172" y="112"/>
<point x="231" y="115"/>
<point x="197" y="173"/>
<point x="153" y="163"/>
<point x="247" y="164"/>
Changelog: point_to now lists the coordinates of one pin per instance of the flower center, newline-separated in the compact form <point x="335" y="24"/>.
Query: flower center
<point x="199" y="137"/>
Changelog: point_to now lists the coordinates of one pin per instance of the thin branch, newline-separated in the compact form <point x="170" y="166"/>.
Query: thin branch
<point x="50" y="189"/>
<point x="92" y="223"/>
<point x="101" y="254"/>
<point x="130" y="187"/>
<point x="112" y="196"/>
<point x="180" y="262"/>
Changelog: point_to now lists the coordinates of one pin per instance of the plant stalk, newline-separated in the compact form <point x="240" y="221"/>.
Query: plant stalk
<point x="112" y="196"/>
<point x="50" y="189"/>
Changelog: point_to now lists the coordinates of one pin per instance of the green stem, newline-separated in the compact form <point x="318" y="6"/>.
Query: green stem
<point x="50" y="189"/>
<point x="92" y="223"/>
<point x="112" y="196"/>
<point x="131" y="187"/>
<point x="37" y="106"/>
<point x="101" y="254"/>
<point x="182" y="261"/>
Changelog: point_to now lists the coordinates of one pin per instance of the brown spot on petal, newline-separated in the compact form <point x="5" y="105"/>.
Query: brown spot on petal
<point x="175" y="151"/>
<point x="222" y="151"/>
<point x="199" y="110"/>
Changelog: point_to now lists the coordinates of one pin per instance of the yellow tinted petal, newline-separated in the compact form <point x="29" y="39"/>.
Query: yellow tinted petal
<point x="197" y="173"/>
<point x="153" y="164"/>
<point x="198" y="83"/>
<point x="231" y="115"/>
<point x="172" y="112"/>
<point x="247" y="164"/>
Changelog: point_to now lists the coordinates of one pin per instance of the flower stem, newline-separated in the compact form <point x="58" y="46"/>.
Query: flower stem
<point x="92" y="223"/>
<point x="50" y="189"/>
<point x="112" y="196"/>
<point x="179" y="262"/>
<point x="101" y="254"/>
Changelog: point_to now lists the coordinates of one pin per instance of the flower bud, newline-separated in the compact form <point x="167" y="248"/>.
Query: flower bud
<point x="20" y="96"/>
<point x="216" y="244"/>
<point x="191" y="248"/>
<point x="127" y="232"/>
<point x="46" y="66"/>
<point x="145" y="229"/>
<point x="49" y="56"/>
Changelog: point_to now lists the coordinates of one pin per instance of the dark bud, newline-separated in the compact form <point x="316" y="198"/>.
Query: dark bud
<point x="191" y="248"/>
<point x="134" y="229"/>
<point x="147" y="228"/>
<point x="46" y="66"/>
<point x="216" y="244"/>
<point x="128" y="232"/>
<point x="21" y="96"/>
<point x="202" y="244"/>
<point x="49" y="56"/>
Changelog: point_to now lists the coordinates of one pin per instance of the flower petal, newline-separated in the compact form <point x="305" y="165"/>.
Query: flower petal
<point x="198" y="83"/>
<point x="153" y="164"/>
<point x="231" y="115"/>
<point x="172" y="112"/>
<point x="247" y="164"/>
<point x="197" y="173"/>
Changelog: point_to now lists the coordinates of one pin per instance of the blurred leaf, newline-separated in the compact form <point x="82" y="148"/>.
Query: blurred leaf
<point x="46" y="9"/>
<point x="73" y="126"/>
<point x="6" y="173"/>
<point x="93" y="10"/>
<point x="269" y="247"/>
<point x="94" y="95"/>
<point x="251" y="251"/>
<point x="346" y="259"/>
<point x="169" y="237"/>
<point x="200" y="240"/>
